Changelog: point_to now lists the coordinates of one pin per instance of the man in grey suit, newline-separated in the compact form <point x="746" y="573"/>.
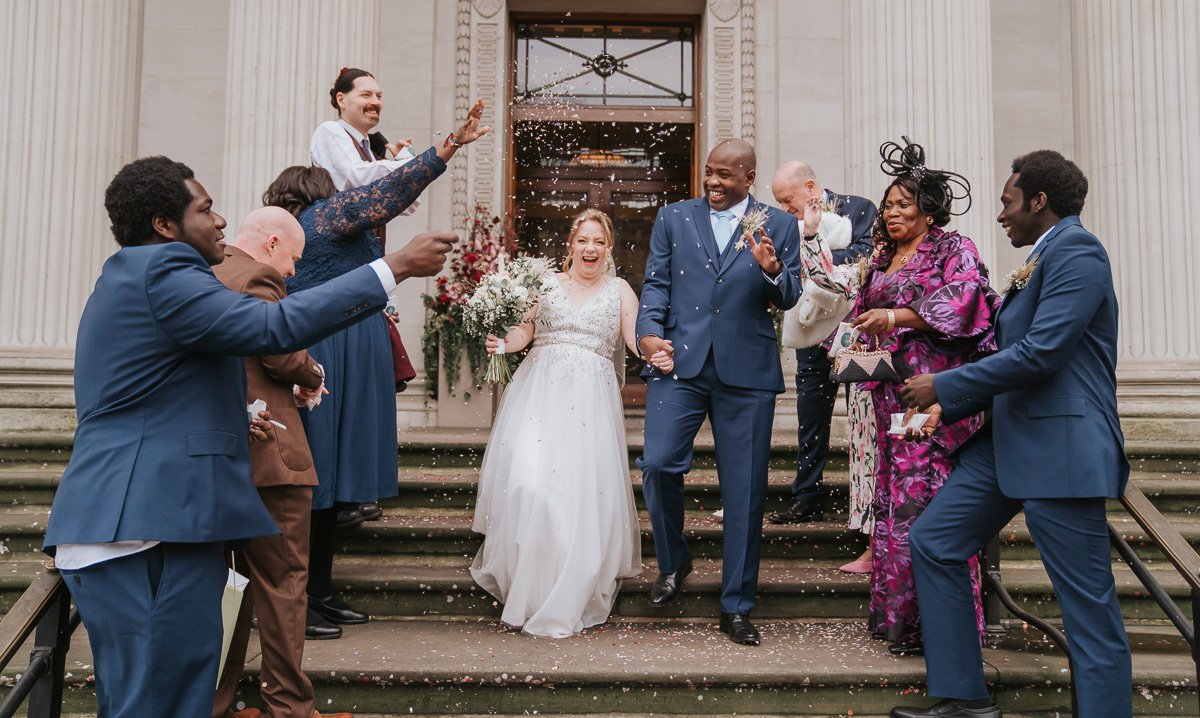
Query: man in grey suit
<point x="1052" y="448"/>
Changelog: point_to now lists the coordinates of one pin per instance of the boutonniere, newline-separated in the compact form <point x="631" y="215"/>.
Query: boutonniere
<point x="752" y="223"/>
<point x="1019" y="278"/>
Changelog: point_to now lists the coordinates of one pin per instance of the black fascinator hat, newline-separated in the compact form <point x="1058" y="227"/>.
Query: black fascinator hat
<point x="934" y="191"/>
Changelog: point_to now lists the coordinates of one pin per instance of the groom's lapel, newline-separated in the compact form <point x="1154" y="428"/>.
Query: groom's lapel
<point x="704" y="232"/>
<point x="730" y="255"/>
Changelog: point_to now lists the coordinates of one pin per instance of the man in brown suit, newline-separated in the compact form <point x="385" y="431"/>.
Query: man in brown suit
<point x="268" y="244"/>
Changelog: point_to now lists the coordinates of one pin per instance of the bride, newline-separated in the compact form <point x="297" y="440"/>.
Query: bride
<point x="555" y="501"/>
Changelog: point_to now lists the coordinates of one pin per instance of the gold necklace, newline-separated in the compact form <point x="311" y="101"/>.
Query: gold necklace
<point x="905" y="257"/>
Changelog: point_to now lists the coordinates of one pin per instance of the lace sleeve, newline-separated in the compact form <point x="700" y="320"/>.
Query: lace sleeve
<point x="356" y="210"/>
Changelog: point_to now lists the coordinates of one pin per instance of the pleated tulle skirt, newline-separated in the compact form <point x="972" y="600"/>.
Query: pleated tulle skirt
<point x="555" y="499"/>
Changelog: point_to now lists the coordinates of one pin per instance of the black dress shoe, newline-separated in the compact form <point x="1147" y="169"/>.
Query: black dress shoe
<point x="370" y="512"/>
<point x="318" y="629"/>
<point x="335" y="610"/>
<point x="349" y="518"/>
<point x="666" y="586"/>
<point x="906" y="648"/>
<point x="809" y="507"/>
<point x="949" y="708"/>
<point x="739" y="629"/>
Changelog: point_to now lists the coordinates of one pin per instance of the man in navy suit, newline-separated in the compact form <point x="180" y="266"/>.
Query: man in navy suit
<point x="1053" y="448"/>
<point x="794" y="183"/>
<point x="159" y="477"/>
<point x="706" y="328"/>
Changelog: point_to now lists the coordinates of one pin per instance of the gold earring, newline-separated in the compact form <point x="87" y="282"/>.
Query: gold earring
<point x="929" y="221"/>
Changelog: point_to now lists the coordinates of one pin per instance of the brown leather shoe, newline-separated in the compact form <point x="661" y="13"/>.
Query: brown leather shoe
<point x="244" y="713"/>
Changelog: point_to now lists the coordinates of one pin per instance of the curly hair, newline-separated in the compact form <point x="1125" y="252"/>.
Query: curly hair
<point x="344" y="83"/>
<point x="1047" y="171"/>
<point x="142" y="190"/>
<point x="299" y="187"/>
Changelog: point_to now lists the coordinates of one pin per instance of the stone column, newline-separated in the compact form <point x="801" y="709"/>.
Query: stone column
<point x="70" y="82"/>
<point x="1137" y="118"/>
<point x="283" y="57"/>
<point x="922" y="68"/>
<point x="727" y="105"/>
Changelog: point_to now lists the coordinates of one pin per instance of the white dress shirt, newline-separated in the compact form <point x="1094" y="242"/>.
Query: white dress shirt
<point x="333" y="147"/>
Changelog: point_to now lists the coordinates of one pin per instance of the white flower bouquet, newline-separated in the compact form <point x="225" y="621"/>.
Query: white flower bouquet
<point x="499" y="302"/>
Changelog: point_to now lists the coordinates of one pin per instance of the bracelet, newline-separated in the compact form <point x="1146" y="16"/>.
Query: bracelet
<point x="452" y="139"/>
<point x="499" y="346"/>
<point x="891" y="320"/>
<point x="811" y="237"/>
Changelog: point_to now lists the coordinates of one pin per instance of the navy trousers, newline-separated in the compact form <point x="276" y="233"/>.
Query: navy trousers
<point x="1072" y="537"/>
<point x="741" y="423"/>
<point x="154" y="623"/>
<point x="815" y="395"/>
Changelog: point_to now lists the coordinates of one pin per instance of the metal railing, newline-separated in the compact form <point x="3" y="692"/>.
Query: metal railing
<point x="44" y="611"/>
<point x="1160" y="532"/>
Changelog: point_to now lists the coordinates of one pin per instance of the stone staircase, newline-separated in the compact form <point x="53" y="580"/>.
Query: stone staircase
<point x="435" y="647"/>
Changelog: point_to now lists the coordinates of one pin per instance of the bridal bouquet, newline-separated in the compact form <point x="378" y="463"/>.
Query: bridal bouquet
<point x="500" y="301"/>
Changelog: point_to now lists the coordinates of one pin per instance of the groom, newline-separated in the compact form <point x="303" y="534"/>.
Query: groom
<point x="705" y="320"/>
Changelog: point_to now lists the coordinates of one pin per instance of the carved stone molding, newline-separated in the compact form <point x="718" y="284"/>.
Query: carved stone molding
<point x="724" y="72"/>
<point x="726" y="10"/>
<point x="487" y="61"/>
<point x="488" y="8"/>
<point x="462" y="102"/>
<point x="748" y="71"/>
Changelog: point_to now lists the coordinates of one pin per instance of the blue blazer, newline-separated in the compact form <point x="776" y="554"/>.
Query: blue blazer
<point x="1052" y="386"/>
<point x="162" y="445"/>
<point x="703" y="302"/>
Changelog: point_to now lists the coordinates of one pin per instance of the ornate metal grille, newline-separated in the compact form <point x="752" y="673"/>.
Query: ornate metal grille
<point x="604" y="64"/>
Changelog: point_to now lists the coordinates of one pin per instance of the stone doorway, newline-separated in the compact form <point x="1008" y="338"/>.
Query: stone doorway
<point x="603" y="117"/>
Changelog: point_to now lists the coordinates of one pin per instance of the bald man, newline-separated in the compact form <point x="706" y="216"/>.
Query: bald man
<point x="793" y="185"/>
<point x="268" y="244"/>
<point x="706" y="330"/>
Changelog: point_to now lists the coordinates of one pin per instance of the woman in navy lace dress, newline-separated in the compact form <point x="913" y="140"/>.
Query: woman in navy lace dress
<point x="352" y="433"/>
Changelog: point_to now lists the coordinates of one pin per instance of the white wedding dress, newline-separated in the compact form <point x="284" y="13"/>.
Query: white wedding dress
<point x="555" y="500"/>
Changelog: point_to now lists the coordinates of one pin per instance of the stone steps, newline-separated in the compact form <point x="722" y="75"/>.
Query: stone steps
<point x="629" y="666"/>
<point x="435" y="647"/>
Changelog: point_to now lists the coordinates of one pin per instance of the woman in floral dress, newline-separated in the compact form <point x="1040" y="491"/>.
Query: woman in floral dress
<point x="926" y="300"/>
<point x="844" y="280"/>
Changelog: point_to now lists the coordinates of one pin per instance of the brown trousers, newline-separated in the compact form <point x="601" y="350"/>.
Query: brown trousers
<point x="277" y="567"/>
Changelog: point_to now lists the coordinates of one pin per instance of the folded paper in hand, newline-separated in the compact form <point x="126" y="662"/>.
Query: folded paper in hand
<point x="915" y="423"/>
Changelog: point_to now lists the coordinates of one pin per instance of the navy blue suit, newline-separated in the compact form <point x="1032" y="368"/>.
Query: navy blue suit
<point x="815" y="393"/>
<point x="162" y="454"/>
<point x="1054" y="449"/>
<point x="715" y="310"/>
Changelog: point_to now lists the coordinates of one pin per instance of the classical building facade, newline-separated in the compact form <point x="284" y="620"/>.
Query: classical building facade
<point x="611" y="103"/>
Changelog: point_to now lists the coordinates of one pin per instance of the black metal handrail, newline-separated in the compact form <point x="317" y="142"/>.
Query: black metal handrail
<point x="1160" y="532"/>
<point x="44" y="611"/>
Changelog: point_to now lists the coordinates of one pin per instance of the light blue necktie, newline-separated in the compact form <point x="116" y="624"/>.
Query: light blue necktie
<point x="722" y="228"/>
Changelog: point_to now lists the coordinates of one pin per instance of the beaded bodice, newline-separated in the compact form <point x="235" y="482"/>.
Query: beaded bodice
<point x="594" y="326"/>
